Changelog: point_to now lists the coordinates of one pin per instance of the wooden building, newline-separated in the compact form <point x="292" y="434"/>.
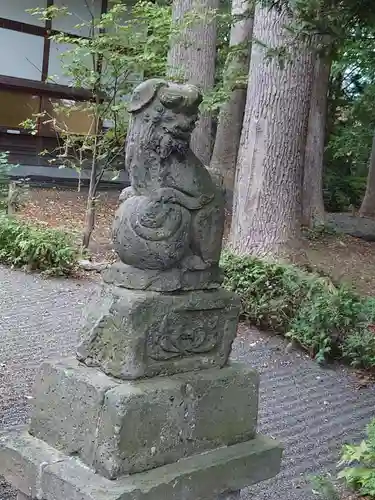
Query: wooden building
<point x="28" y="60"/>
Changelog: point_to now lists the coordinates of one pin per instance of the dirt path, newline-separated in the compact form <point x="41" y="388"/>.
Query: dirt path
<point x="310" y="409"/>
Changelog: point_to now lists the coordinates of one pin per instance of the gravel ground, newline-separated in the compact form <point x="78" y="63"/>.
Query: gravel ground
<point x="310" y="409"/>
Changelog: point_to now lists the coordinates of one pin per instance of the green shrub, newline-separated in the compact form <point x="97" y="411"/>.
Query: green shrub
<point x="47" y="250"/>
<point x="270" y="293"/>
<point x="319" y="231"/>
<point x="4" y="178"/>
<point x="340" y="192"/>
<point x="324" y="487"/>
<point x="325" y="319"/>
<point x="359" y="348"/>
<point x="359" y="462"/>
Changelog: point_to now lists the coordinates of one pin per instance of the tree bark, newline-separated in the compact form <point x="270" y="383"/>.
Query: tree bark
<point x="95" y="176"/>
<point x="231" y="114"/>
<point x="89" y="215"/>
<point x="368" y="204"/>
<point x="191" y="58"/>
<point x="267" y="197"/>
<point x="13" y="197"/>
<point x="312" y="190"/>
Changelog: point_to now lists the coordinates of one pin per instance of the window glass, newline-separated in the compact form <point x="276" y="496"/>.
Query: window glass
<point x="16" y="10"/>
<point x="81" y="12"/>
<point x="21" y="54"/>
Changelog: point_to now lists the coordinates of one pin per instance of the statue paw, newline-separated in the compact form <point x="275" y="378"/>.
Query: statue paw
<point x="126" y="193"/>
<point x="194" y="263"/>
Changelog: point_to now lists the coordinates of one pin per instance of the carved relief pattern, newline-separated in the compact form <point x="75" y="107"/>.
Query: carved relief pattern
<point x="184" y="333"/>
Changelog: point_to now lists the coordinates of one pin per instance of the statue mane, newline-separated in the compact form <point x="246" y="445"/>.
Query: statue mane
<point x="157" y="108"/>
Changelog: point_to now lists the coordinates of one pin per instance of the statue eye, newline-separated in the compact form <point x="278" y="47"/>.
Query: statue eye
<point x="171" y="101"/>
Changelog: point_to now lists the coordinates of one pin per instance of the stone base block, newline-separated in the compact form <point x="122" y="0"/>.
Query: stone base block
<point x="22" y="459"/>
<point x="128" y="427"/>
<point x="67" y="404"/>
<point x="49" y="476"/>
<point x="135" y="334"/>
<point x="233" y="495"/>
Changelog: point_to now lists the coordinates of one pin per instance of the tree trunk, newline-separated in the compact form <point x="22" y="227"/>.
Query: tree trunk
<point x="95" y="176"/>
<point x="191" y="59"/>
<point x="13" y="198"/>
<point x="231" y="114"/>
<point x="89" y="220"/>
<point x="368" y="204"/>
<point x="267" y="197"/>
<point x="312" y="190"/>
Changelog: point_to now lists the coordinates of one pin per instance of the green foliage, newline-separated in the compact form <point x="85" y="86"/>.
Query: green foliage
<point x="324" y="488"/>
<point x="351" y="111"/>
<point x="5" y="168"/>
<point x="318" y="232"/>
<point x="340" y="192"/>
<point x="359" y="464"/>
<point x="269" y="292"/>
<point x="359" y="348"/>
<point x="48" y="250"/>
<point x="325" y="319"/>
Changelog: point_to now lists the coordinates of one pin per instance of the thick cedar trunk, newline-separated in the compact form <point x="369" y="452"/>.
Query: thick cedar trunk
<point x="312" y="189"/>
<point x="192" y="59"/>
<point x="229" y="128"/>
<point x="368" y="204"/>
<point x="267" y="205"/>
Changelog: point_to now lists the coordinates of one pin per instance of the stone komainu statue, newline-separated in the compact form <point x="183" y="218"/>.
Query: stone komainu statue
<point x="172" y="215"/>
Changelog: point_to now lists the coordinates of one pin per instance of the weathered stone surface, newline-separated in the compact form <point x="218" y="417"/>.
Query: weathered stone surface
<point x="22" y="459"/>
<point x="138" y="334"/>
<point x="233" y="495"/>
<point x="172" y="215"/>
<point x="169" y="280"/>
<point x="134" y="426"/>
<point x="200" y="477"/>
<point x="21" y="496"/>
<point x="68" y="398"/>
<point x="150" y="423"/>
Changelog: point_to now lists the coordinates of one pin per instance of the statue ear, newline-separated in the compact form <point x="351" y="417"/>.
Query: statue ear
<point x="170" y="99"/>
<point x="144" y="94"/>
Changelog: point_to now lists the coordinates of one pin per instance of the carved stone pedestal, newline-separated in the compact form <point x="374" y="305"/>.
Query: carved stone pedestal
<point x="188" y="433"/>
<point x="143" y="334"/>
<point x="151" y="409"/>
